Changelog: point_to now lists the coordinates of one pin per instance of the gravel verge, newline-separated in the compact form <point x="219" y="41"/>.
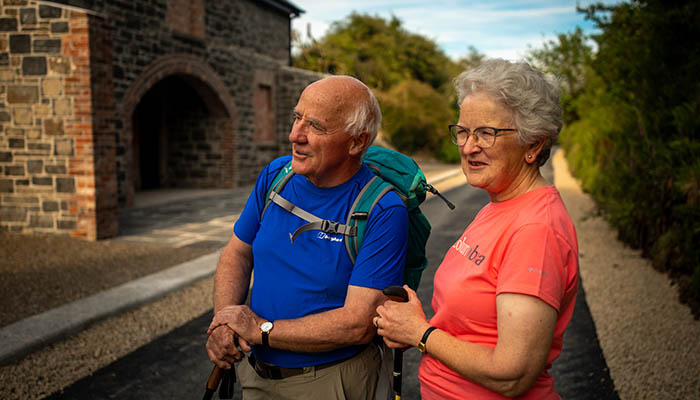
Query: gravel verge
<point x="58" y="365"/>
<point x="40" y="272"/>
<point x="649" y="339"/>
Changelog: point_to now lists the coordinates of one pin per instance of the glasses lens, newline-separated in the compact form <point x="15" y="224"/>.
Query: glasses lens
<point x="453" y="134"/>
<point x="458" y="135"/>
<point x="486" y="137"/>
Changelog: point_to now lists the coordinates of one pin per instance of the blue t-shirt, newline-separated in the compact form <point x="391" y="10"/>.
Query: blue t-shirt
<point x="312" y="274"/>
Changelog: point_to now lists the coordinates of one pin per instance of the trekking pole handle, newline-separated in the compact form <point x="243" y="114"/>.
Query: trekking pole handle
<point x="396" y="293"/>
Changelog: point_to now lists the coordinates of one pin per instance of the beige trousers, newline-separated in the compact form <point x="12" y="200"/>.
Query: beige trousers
<point x="354" y="379"/>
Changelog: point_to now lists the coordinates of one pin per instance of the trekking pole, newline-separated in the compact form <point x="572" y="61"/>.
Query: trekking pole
<point x="213" y="382"/>
<point x="227" y="379"/>
<point x="397" y="293"/>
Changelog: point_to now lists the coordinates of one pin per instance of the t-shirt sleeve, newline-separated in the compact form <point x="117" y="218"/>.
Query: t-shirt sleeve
<point x="534" y="263"/>
<point x="248" y="223"/>
<point x="380" y="261"/>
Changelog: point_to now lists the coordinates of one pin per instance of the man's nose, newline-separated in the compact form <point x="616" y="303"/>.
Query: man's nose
<point x="298" y="132"/>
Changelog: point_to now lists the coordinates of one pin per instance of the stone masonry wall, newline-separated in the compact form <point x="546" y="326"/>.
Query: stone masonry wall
<point x="242" y="38"/>
<point x="104" y="131"/>
<point x="47" y="181"/>
<point x="71" y="80"/>
<point x="194" y="151"/>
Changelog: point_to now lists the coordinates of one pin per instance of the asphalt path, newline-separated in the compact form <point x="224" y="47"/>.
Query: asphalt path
<point x="175" y="366"/>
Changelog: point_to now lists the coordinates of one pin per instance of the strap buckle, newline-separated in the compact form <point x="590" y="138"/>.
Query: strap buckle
<point x="360" y="215"/>
<point x="337" y="228"/>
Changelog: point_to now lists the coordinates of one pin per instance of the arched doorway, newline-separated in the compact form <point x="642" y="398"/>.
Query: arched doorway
<point x="179" y="127"/>
<point x="179" y="123"/>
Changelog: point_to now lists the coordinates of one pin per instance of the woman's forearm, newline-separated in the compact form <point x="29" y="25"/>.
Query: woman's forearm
<point x="481" y="364"/>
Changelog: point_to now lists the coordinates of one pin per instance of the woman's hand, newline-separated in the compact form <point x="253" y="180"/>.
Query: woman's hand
<point x="401" y="324"/>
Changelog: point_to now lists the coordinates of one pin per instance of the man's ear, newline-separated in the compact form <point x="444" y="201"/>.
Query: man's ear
<point x="358" y="143"/>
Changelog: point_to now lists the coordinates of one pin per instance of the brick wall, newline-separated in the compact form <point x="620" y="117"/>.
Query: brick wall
<point x="71" y="81"/>
<point x="103" y="128"/>
<point x="46" y="147"/>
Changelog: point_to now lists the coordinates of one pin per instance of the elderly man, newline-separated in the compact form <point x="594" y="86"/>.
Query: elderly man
<point x="309" y="324"/>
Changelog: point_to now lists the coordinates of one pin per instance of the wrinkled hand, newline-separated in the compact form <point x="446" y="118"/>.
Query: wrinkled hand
<point x="241" y="320"/>
<point x="401" y="324"/>
<point x="221" y="347"/>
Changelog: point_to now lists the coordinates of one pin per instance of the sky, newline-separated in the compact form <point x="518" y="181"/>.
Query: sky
<point x="497" y="28"/>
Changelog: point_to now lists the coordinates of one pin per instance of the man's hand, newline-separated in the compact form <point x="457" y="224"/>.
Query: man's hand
<point x="222" y="349"/>
<point x="241" y="320"/>
<point x="231" y="283"/>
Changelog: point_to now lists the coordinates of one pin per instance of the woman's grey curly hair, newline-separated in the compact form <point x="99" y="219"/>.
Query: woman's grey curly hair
<point x="533" y="98"/>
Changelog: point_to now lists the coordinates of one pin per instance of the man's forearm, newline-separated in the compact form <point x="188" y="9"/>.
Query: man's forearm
<point x="233" y="273"/>
<point x="325" y="331"/>
<point x="332" y="329"/>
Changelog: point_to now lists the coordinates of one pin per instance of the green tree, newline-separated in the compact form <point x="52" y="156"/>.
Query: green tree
<point x="568" y="58"/>
<point x="471" y="60"/>
<point x="416" y="118"/>
<point x="632" y="134"/>
<point x="649" y="57"/>
<point x="380" y="53"/>
<point x="409" y="73"/>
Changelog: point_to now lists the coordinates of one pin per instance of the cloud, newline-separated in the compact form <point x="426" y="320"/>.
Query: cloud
<point x="502" y="28"/>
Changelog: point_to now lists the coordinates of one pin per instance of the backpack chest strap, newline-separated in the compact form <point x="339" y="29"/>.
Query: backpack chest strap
<point x="315" y="223"/>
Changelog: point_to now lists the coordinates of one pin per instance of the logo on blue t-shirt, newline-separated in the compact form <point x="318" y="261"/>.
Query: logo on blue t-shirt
<point x="325" y="236"/>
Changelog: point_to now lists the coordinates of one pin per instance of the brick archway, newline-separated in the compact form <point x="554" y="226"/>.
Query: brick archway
<point x="211" y="89"/>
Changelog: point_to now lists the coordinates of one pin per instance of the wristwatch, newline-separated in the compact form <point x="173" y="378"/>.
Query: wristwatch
<point x="265" y="329"/>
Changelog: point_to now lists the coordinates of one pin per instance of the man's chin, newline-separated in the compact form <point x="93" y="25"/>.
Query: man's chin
<point x="298" y="165"/>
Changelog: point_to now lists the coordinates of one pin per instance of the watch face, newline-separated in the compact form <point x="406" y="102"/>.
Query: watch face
<point x="266" y="326"/>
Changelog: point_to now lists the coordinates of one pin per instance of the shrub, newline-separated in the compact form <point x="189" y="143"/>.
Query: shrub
<point x="415" y="117"/>
<point x="648" y="189"/>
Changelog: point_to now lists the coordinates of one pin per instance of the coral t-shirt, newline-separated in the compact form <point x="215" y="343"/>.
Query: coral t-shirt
<point x="525" y="245"/>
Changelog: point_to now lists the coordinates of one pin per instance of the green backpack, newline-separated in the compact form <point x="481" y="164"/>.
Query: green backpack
<point x="393" y="171"/>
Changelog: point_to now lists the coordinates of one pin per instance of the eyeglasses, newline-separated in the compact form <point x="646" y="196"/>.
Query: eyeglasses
<point x="485" y="136"/>
<point x="316" y="126"/>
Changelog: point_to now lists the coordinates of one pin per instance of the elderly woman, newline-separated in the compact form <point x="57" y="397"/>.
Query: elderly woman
<point x="505" y="291"/>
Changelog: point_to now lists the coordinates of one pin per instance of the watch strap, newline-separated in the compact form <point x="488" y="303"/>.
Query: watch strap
<point x="424" y="339"/>
<point x="265" y="339"/>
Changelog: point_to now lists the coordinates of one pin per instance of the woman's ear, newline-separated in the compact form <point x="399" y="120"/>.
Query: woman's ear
<point x="533" y="151"/>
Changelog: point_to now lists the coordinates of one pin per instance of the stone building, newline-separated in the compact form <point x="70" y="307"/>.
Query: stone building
<point x="101" y="99"/>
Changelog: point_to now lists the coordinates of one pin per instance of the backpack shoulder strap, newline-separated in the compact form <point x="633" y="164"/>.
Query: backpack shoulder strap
<point x="283" y="176"/>
<point x="360" y="210"/>
<point x="314" y="223"/>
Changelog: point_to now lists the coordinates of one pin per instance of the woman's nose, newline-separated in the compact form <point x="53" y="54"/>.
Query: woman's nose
<point x="470" y="146"/>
